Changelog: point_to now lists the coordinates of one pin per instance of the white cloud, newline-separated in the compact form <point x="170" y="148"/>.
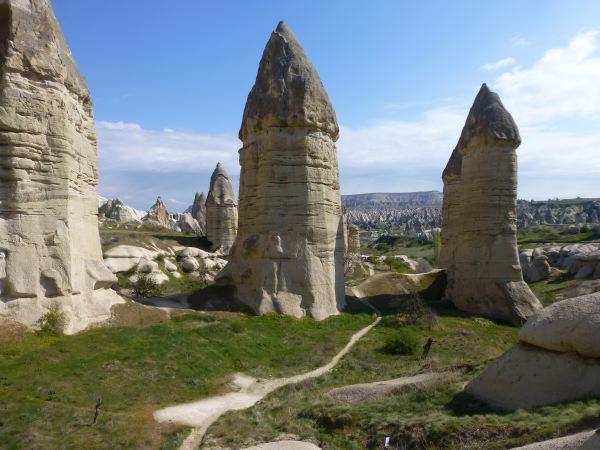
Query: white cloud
<point x="562" y="84"/>
<point x="129" y="147"/>
<point x="499" y="64"/>
<point x="519" y="41"/>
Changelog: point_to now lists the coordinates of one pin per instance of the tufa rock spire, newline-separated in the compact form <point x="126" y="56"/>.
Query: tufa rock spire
<point x="288" y="91"/>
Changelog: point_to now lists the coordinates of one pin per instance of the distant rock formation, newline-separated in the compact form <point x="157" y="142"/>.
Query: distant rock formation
<point x="158" y="214"/>
<point x="353" y="247"/>
<point x="580" y="212"/>
<point x="199" y="210"/>
<point x="560" y="361"/>
<point x="185" y="223"/>
<point x="117" y="211"/>
<point x="49" y="242"/>
<point x="479" y="243"/>
<point x="289" y="253"/>
<point x="221" y="211"/>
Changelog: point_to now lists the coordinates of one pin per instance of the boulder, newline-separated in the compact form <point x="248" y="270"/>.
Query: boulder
<point x="130" y="251"/>
<point x="170" y="266"/>
<point x="479" y="235"/>
<point x="49" y="236"/>
<point x="146" y="266"/>
<point x="288" y="256"/>
<point x="565" y="326"/>
<point x="189" y="264"/>
<point x="116" y="265"/>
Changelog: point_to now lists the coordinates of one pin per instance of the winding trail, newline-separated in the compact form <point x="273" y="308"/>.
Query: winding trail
<point x="202" y="414"/>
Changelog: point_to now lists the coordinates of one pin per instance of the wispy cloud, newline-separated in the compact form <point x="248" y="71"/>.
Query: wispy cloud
<point x="505" y="62"/>
<point x="519" y="41"/>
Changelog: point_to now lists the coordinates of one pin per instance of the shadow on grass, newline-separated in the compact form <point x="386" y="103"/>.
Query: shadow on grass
<point x="464" y="404"/>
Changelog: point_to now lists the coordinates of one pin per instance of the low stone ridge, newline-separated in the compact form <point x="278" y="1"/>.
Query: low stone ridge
<point x="558" y="359"/>
<point x="480" y="183"/>
<point x="49" y="242"/>
<point x="527" y="377"/>
<point x="289" y="253"/>
<point x="221" y="211"/>
<point x="571" y="325"/>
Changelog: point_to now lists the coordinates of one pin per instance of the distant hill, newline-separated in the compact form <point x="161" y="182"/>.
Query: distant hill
<point x="396" y="200"/>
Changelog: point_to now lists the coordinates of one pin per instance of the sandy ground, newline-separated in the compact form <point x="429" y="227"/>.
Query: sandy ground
<point x="203" y="413"/>
<point x="587" y="440"/>
<point x="382" y="389"/>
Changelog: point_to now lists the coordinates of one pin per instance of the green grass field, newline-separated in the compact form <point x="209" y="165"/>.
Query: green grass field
<point x="49" y="385"/>
<point x="440" y="416"/>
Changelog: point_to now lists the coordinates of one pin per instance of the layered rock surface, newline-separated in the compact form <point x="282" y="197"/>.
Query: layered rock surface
<point x="198" y="210"/>
<point x="158" y="214"/>
<point x="221" y="211"/>
<point x="479" y="242"/>
<point x="289" y="253"/>
<point x="49" y="242"/>
<point x="558" y="360"/>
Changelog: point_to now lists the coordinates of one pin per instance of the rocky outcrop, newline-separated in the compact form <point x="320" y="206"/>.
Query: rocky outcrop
<point x="198" y="210"/>
<point x="479" y="242"/>
<point x="353" y="247"/>
<point x="185" y="223"/>
<point x="558" y="360"/>
<point x="117" y="211"/>
<point x="289" y="253"/>
<point x="158" y="214"/>
<point x="49" y="242"/>
<point x="580" y="212"/>
<point x="221" y="211"/>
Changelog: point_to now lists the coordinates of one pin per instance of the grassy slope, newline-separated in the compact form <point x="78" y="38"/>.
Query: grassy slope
<point x="49" y="385"/>
<point x="440" y="416"/>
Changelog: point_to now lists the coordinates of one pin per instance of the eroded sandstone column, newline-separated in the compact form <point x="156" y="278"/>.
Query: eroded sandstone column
<point x="221" y="211"/>
<point x="289" y="253"/>
<point x="480" y="227"/>
<point x="48" y="205"/>
<point x="199" y="210"/>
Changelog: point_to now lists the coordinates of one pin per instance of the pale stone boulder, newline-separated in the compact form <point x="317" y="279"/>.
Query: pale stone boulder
<point x="48" y="202"/>
<point x="189" y="264"/>
<point x="479" y="237"/>
<point x="170" y="266"/>
<point x="289" y="253"/>
<point x="221" y="211"/>
<point x="526" y="377"/>
<point x="569" y="325"/>
<point x="130" y="251"/>
<point x="116" y="265"/>
<point x="194" y="252"/>
<point x="147" y="266"/>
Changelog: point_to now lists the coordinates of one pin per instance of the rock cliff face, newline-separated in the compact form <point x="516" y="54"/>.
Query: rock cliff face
<point x="479" y="233"/>
<point x="221" y="211"/>
<point x="49" y="242"/>
<point x="115" y="210"/>
<point x="289" y="253"/>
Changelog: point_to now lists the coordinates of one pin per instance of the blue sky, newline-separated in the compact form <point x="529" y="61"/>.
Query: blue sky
<point x="169" y="82"/>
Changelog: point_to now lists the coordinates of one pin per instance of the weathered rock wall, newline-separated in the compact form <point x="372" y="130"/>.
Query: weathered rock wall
<point x="48" y="204"/>
<point x="289" y="252"/>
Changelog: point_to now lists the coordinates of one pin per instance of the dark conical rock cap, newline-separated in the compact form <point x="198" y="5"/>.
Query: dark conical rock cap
<point x="220" y="191"/>
<point x="288" y="91"/>
<point x="454" y="166"/>
<point x="489" y="122"/>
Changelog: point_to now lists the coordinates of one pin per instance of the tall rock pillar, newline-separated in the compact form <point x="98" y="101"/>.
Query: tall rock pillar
<point x="289" y="253"/>
<point x="49" y="241"/>
<point x="221" y="211"/>
<point x="479" y="240"/>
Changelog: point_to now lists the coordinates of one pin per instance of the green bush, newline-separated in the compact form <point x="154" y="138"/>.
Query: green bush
<point x="145" y="286"/>
<point x="160" y="257"/>
<point x="54" y="321"/>
<point x="404" y="342"/>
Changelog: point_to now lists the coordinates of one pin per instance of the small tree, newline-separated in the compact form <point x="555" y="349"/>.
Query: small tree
<point x="145" y="286"/>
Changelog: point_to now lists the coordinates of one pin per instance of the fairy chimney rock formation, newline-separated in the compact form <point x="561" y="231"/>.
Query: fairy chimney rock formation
<point x="158" y="214"/>
<point x="289" y="253"/>
<point x="49" y="241"/>
<point x="199" y="210"/>
<point x="479" y="240"/>
<point x="221" y="211"/>
<point x="353" y="248"/>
